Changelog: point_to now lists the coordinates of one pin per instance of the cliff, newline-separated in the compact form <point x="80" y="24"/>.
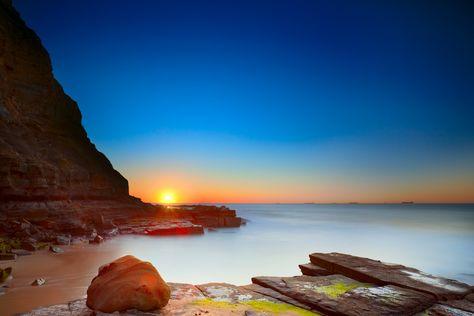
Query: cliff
<point x="50" y="170"/>
<point x="45" y="153"/>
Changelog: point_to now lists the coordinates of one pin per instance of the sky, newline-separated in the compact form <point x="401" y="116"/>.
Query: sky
<point x="272" y="101"/>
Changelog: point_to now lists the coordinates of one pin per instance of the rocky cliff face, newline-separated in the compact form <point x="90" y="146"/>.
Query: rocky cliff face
<point x="45" y="154"/>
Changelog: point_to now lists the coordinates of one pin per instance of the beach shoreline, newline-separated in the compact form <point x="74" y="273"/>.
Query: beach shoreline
<point x="349" y="281"/>
<point x="67" y="276"/>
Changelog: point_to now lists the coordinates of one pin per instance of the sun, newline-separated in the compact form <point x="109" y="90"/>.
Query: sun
<point x="167" y="198"/>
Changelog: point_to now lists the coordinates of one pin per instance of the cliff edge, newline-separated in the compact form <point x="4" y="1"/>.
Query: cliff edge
<point x="45" y="154"/>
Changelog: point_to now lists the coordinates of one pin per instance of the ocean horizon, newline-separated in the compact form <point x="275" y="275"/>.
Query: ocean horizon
<point x="435" y="238"/>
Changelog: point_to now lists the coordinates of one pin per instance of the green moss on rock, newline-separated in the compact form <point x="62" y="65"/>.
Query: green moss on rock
<point x="256" y="305"/>
<point x="337" y="289"/>
<point x="7" y="244"/>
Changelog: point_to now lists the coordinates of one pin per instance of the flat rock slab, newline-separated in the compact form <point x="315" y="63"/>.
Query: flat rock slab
<point x="443" y="310"/>
<point x="189" y="300"/>
<point x="377" y="272"/>
<point x="184" y="291"/>
<point x="339" y="295"/>
<point x="238" y="298"/>
<point x="313" y="270"/>
<point x="464" y="304"/>
<point x="276" y="295"/>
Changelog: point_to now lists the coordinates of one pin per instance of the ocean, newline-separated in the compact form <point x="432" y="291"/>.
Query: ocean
<point x="438" y="239"/>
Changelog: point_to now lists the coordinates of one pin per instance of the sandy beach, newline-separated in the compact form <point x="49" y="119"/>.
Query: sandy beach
<point x="67" y="276"/>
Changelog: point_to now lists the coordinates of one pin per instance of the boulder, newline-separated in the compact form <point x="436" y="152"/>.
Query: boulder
<point x="127" y="283"/>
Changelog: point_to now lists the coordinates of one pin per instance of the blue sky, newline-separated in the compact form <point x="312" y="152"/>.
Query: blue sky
<point x="307" y="100"/>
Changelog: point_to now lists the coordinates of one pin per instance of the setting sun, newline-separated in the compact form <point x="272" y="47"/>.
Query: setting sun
<point x="167" y="198"/>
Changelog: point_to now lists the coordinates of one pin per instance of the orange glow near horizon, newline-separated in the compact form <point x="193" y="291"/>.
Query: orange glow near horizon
<point x="167" y="197"/>
<point x="206" y="190"/>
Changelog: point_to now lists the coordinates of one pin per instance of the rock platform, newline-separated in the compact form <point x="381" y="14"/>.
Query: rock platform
<point x="346" y="285"/>
<point x="19" y="236"/>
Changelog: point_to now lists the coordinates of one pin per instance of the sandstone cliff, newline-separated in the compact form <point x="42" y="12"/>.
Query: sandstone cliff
<point x="45" y="154"/>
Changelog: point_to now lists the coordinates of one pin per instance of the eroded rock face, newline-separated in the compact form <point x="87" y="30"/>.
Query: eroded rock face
<point x="127" y="283"/>
<point x="45" y="153"/>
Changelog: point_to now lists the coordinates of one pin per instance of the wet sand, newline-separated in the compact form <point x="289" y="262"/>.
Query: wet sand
<point x="67" y="276"/>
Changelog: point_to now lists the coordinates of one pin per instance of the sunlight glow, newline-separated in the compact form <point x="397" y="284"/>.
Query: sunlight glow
<point x="167" y="198"/>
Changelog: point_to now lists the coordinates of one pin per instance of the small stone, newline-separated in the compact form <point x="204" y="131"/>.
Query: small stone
<point x="38" y="282"/>
<point x="97" y="240"/>
<point x="55" y="249"/>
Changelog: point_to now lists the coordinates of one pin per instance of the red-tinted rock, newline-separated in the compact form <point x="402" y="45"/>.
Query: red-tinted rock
<point x="377" y="272"/>
<point x="127" y="283"/>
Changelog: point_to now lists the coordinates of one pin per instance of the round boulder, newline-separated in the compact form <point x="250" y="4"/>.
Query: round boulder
<point x="127" y="283"/>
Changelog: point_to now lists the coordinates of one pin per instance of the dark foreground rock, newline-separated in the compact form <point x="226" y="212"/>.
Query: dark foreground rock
<point x="339" y="295"/>
<point x="127" y="283"/>
<point x="377" y="272"/>
<point x="333" y="294"/>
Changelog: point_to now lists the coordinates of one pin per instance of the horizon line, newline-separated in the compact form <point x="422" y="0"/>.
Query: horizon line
<point x="320" y="203"/>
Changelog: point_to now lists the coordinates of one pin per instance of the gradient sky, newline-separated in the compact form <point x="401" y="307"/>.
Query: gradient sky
<point x="272" y="101"/>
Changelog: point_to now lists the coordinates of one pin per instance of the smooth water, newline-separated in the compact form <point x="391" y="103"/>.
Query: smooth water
<point x="438" y="239"/>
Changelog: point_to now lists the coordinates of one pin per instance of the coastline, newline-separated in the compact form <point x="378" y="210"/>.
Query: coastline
<point x="330" y="284"/>
<point x="67" y="275"/>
